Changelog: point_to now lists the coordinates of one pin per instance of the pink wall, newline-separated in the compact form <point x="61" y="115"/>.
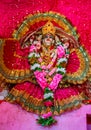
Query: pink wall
<point x="13" y="117"/>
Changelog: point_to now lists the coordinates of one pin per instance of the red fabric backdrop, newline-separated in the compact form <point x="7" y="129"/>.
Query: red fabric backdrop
<point x="12" y="12"/>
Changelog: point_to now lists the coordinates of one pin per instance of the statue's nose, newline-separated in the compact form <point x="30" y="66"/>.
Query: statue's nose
<point x="48" y="39"/>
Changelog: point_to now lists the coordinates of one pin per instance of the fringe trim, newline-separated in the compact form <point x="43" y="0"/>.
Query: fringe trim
<point x="35" y="105"/>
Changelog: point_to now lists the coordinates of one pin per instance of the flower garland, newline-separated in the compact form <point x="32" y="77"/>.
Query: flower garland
<point x="41" y="70"/>
<point x="47" y="119"/>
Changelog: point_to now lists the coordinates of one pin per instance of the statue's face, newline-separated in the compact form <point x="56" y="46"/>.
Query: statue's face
<point x="48" y="39"/>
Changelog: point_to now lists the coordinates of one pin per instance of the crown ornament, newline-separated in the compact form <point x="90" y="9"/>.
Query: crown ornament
<point x="48" y="28"/>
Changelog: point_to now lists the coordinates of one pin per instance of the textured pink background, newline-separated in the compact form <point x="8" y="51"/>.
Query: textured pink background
<point x="12" y="12"/>
<point x="13" y="117"/>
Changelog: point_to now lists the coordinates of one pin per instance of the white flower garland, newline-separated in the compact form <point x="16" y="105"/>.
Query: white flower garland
<point x="47" y="95"/>
<point x="61" y="70"/>
<point x="33" y="54"/>
<point x="34" y="66"/>
<point x="62" y="60"/>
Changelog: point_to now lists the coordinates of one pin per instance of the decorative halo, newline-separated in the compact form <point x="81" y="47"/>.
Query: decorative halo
<point x="37" y="20"/>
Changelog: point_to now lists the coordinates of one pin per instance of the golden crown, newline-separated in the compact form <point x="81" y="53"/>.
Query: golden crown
<point x="48" y="28"/>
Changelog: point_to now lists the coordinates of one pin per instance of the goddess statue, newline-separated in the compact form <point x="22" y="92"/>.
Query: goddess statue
<point x="45" y="70"/>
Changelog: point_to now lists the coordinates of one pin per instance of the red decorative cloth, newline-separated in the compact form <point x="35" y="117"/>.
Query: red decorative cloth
<point x="12" y="13"/>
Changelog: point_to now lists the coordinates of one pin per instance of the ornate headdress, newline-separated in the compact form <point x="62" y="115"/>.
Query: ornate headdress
<point x="48" y="28"/>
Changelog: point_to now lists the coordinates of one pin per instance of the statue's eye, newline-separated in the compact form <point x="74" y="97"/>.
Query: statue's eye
<point x="46" y="36"/>
<point x="50" y="37"/>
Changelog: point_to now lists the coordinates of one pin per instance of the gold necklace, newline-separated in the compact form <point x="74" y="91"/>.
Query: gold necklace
<point x="46" y="55"/>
